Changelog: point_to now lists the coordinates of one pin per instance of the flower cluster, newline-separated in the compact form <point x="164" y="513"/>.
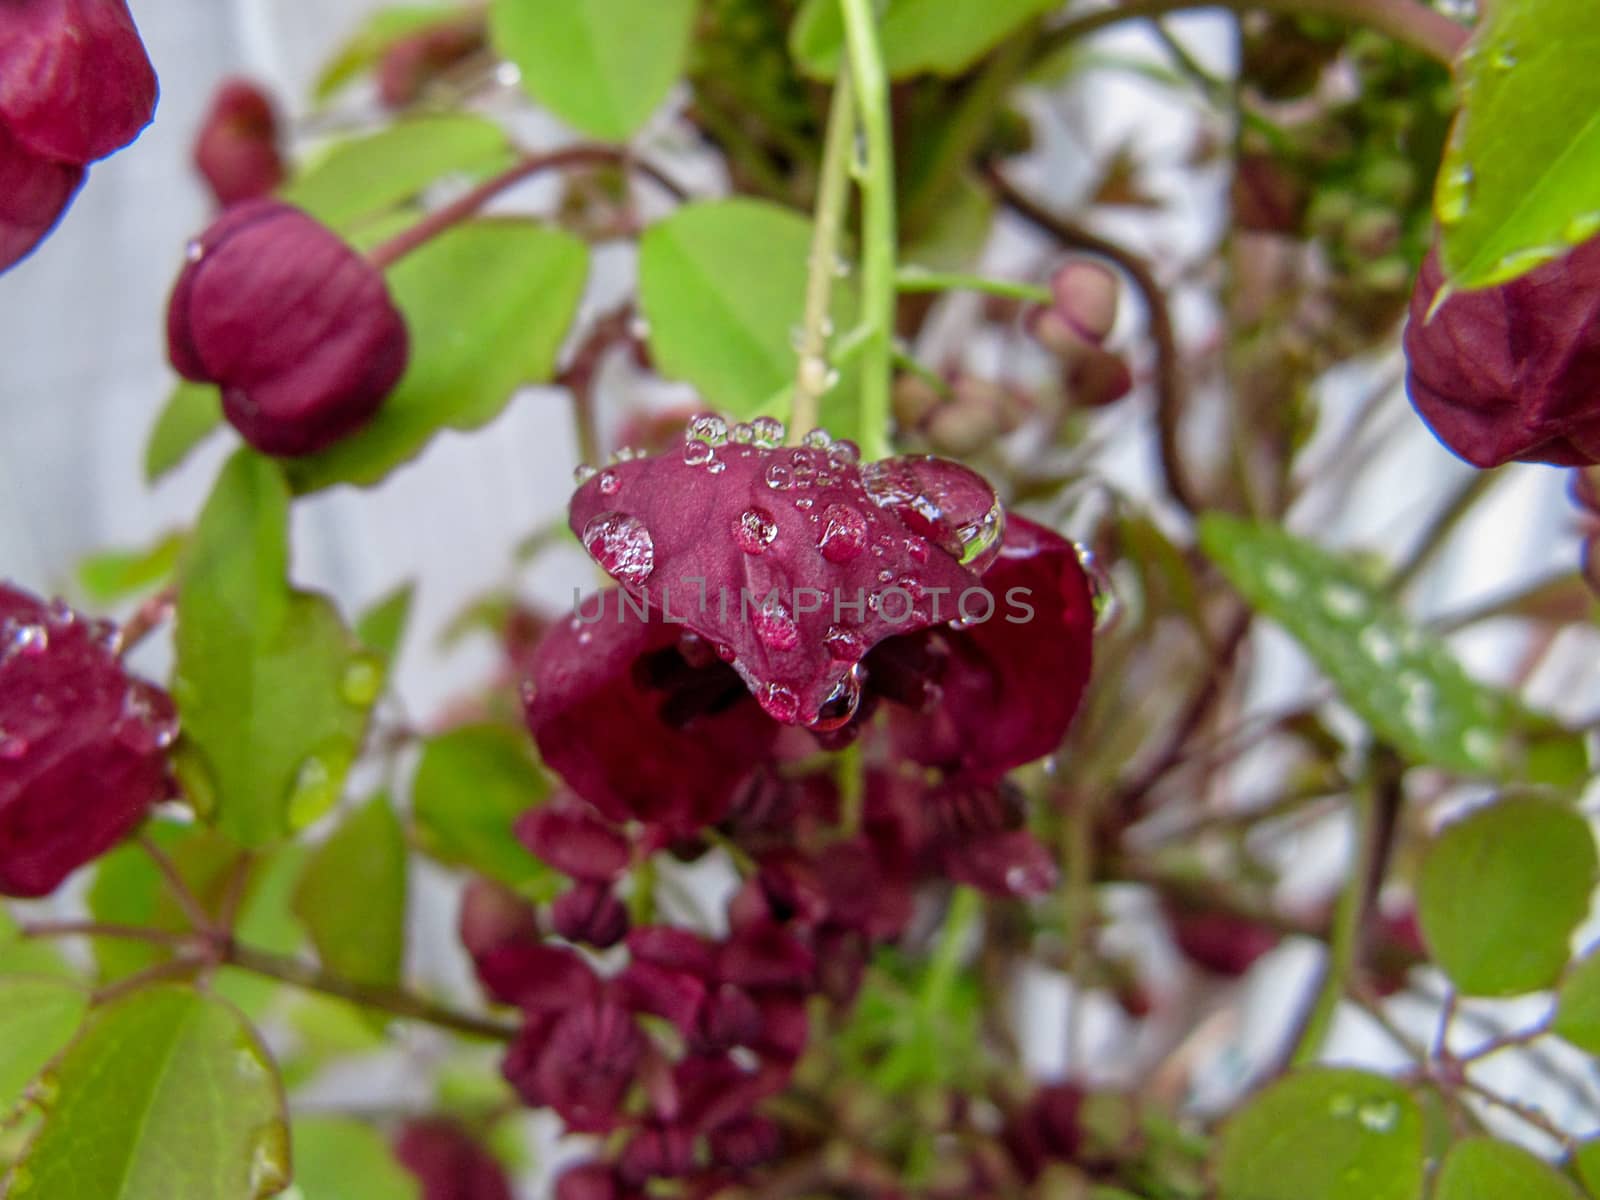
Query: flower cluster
<point x="75" y="85"/>
<point x="82" y="744"/>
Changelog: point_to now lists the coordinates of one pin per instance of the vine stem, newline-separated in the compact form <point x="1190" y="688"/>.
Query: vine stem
<point x="833" y="193"/>
<point x="1409" y="22"/>
<point x="452" y="214"/>
<point x="920" y="279"/>
<point x="871" y="85"/>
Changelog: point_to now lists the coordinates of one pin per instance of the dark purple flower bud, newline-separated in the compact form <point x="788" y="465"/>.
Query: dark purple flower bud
<point x="1085" y="297"/>
<point x="688" y="734"/>
<point x="75" y="82"/>
<point x="1220" y="942"/>
<point x="535" y="977"/>
<point x="1048" y="1129"/>
<point x="792" y="563"/>
<point x="766" y="955"/>
<point x="729" y="1017"/>
<point x="1511" y="372"/>
<point x="412" y="63"/>
<point x="582" y="1065"/>
<point x="450" y="1164"/>
<point x="82" y="744"/>
<point x="746" y="1142"/>
<point x="1014" y="666"/>
<point x="1014" y="864"/>
<point x="34" y="193"/>
<point x="493" y="916"/>
<point x="657" y="1152"/>
<point x="672" y="995"/>
<point x="590" y="913"/>
<point x="237" y="150"/>
<point x="574" y="841"/>
<point x="293" y="325"/>
<point x="675" y="949"/>
<point x="590" y="1181"/>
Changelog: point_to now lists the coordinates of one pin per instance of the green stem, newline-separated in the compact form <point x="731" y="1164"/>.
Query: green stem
<point x="920" y="279"/>
<point x="944" y="968"/>
<point x="833" y="194"/>
<point x="871" y="85"/>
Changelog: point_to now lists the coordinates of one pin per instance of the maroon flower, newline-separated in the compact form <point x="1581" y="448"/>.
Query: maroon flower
<point x="745" y="1142"/>
<point x="591" y="1181"/>
<point x="450" y="1164"/>
<point x="295" y="327"/>
<point x="791" y="563"/>
<point x="237" y="150"/>
<point x="1006" y="680"/>
<point x="1047" y="1129"/>
<point x="590" y="913"/>
<point x="1219" y="942"/>
<point x="1511" y="372"/>
<point x="657" y="1152"/>
<point x="582" y="1065"/>
<point x="82" y="745"/>
<point x="75" y="85"/>
<point x="634" y="726"/>
<point x="574" y="841"/>
<point x="500" y="931"/>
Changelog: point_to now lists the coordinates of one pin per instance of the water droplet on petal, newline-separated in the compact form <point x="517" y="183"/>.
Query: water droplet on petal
<point x="780" y="703"/>
<point x="804" y="503"/>
<point x="716" y="467"/>
<point x="610" y="482"/>
<point x="844" y="533"/>
<point x="26" y="638"/>
<point x="708" y="428"/>
<point x="917" y="548"/>
<point x="943" y="500"/>
<point x="725" y="652"/>
<point x="622" y="546"/>
<point x="697" y="453"/>
<point x="844" y="453"/>
<point x="582" y="473"/>
<point x="775" y="625"/>
<point x="779" y="477"/>
<point x="817" y="439"/>
<point x="844" y="645"/>
<point x="1454" y="197"/>
<point x="742" y="433"/>
<point x="841" y="703"/>
<point x="769" y="432"/>
<point x="755" y="530"/>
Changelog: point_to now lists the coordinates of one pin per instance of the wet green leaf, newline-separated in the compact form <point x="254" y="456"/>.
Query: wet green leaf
<point x="191" y="414"/>
<point x="1324" y="1134"/>
<point x="722" y="284"/>
<point x="1520" y="182"/>
<point x="115" y="575"/>
<point x="470" y="787"/>
<point x="167" y="1093"/>
<point x="264" y="677"/>
<point x="1481" y="1168"/>
<point x="487" y="306"/>
<point x="602" y="66"/>
<point x="941" y="37"/>
<point x="38" y="1017"/>
<point x="362" y="176"/>
<point x="382" y="626"/>
<point x="1403" y="682"/>
<point x="352" y="896"/>
<point x="1500" y="893"/>
<point x="341" y="1158"/>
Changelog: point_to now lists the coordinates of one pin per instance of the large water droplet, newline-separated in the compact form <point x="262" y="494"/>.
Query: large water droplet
<point x="582" y="473"/>
<point x="942" y="500"/>
<point x="769" y="432"/>
<point x="1454" y="197"/>
<point x="1102" y="592"/>
<point x="779" y="477"/>
<point x="362" y="681"/>
<point x="844" y="533"/>
<point x="817" y="439"/>
<point x="742" y="433"/>
<point x="708" y="428"/>
<point x="780" y="703"/>
<point x="844" y="453"/>
<point x="755" y="530"/>
<point x="610" y="482"/>
<point x="775" y="625"/>
<point x="803" y="466"/>
<point x="698" y="453"/>
<point x="622" y="546"/>
<point x="841" y="703"/>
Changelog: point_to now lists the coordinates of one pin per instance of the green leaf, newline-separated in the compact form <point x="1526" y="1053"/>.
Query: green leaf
<point x="1520" y="183"/>
<point x="722" y="285"/>
<point x="1403" y="682"/>
<point x="1481" y="1168"/>
<point x="382" y="29"/>
<point x="943" y="37"/>
<point x="192" y="413"/>
<point x="602" y="66"/>
<point x="115" y="575"/>
<point x="264" y="677"/>
<point x="487" y="306"/>
<point x="1324" y="1134"/>
<point x="341" y="1158"/>
<point x="1577" y="1016"/>
<point x="27" y="956"/>
<point x="1587" y="1160"/>
<point x="382" y="626"/>
<point x="352" y="896"/>
<point x="471" y="786"/>
<point x="168" y="1093"/>
<point x="368" y="174"/>
<point x="1500" y="893"/>
<point x="38" y="1017"/>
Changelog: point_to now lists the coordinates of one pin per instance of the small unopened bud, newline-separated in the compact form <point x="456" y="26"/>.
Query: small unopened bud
<point x="590" y="913"/>
<point x="1086" y="295"/>
<point x="237" y="150"/>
